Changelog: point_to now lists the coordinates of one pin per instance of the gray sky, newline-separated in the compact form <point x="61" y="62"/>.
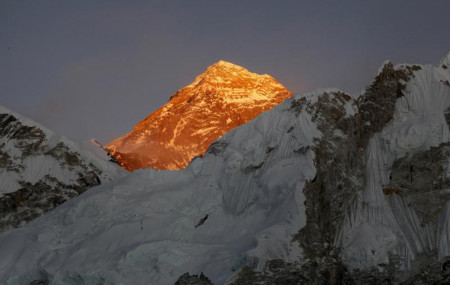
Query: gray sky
<point x="95" y="68"/>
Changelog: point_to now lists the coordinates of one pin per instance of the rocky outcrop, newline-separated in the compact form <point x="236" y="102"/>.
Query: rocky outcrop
<point x="187" y="279"/>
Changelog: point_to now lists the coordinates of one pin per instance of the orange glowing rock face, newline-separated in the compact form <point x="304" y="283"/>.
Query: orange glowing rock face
<point x="223" y="97"/>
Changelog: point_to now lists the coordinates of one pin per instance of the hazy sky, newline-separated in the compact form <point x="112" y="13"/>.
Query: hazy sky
<point x="95" y="68"/>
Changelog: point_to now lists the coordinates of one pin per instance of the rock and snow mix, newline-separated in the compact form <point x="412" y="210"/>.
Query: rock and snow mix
<point x="39" y="169"/>
<point x="321" y="165"/>
<point x="378" y="226"/>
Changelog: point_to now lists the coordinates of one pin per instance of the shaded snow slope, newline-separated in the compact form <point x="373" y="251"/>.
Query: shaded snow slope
<point x="142" y="229"/>
<point x="39" y="169"/>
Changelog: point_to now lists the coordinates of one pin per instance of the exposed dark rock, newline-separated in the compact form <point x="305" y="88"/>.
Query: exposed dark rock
<point x="6" y="162"/>
<point x="329" y="271"/>
<point x="337" y="160"/>
<point x="217" y="147"/>
<point x="447" y="116"/>
<point x="422" y="181"/>
<point x="279" y="272"/>
<point x="32" y="200"/>
<point x="39" y="282"/>
<point x="252" y="168"/>
<point x="62" y="153"/>
<point x="202" y="221"/>
<point x="88" y="179"/>
<point x="187" y="279"/>
<point x="376" y="107"/>
<point x="297" y="105"/>
<point x="302" y="150"/>
<point x="27" y="138"/>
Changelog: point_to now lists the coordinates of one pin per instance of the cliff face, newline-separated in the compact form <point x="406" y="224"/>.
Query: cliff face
<point x="40" y="170"/>
<point x="223" y="97"/>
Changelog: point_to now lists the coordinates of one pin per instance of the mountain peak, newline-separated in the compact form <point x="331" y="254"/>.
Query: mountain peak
<point x="226" y="64"/>
<point x="223" y="97"/>
<point x="224" y="68"/>
<point x="224" y="74"/>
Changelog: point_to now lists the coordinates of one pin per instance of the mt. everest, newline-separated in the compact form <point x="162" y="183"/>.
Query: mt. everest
<point x="220" y="99"/>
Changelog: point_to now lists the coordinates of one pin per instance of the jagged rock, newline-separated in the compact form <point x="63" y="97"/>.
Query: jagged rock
<point x="187" y="279"/>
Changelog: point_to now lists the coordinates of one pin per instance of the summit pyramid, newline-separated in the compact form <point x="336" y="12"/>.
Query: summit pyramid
<point x="223" y="97"/>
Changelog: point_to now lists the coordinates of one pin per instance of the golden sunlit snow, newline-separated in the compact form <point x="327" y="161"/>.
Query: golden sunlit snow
<point x="223" y="97"/>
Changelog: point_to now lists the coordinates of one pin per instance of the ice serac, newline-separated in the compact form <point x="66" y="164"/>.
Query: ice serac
<point x="39" y="170"/>
<point x="223" y="97"/>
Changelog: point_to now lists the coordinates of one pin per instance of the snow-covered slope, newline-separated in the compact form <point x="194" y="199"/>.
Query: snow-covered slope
<point x="142" y="229"/>
<point x="323" y="187"/>
<point x="39" y="169"/>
